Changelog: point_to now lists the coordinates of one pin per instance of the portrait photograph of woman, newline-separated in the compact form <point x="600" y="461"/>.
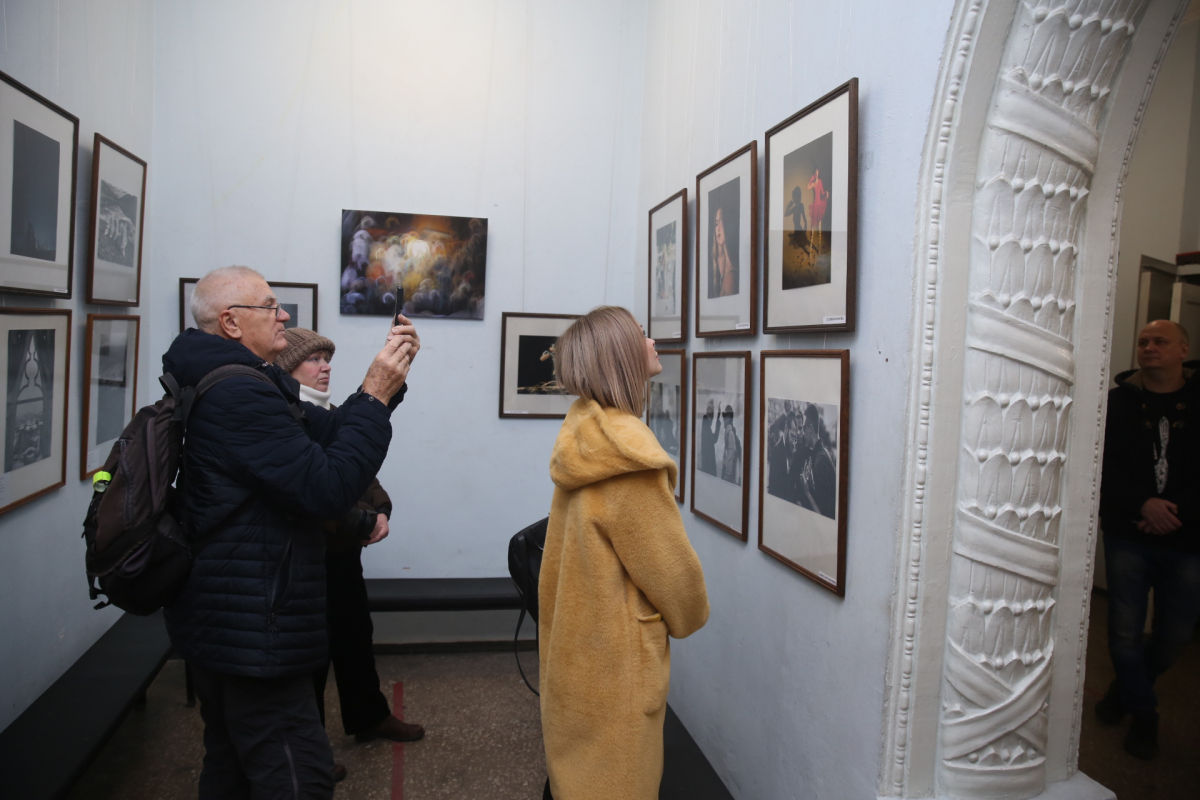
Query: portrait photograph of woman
<point x="726" y="244"/>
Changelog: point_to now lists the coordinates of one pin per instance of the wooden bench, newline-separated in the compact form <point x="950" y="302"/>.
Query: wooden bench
<point x="442" y="594"/>
<point x="45" y="750"/>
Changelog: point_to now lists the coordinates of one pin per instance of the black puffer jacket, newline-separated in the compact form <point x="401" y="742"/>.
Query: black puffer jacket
<point x="258" y="484"/>
<point x="1128" y="477"/>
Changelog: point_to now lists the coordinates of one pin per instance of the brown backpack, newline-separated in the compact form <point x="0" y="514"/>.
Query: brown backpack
<point x="137" y="550"/>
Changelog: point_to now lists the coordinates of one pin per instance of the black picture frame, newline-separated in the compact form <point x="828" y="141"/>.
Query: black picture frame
<point x="109" y="242"/>
<point x="40" y="258"/>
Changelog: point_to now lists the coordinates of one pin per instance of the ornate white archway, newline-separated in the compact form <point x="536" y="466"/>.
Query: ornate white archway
<point x="1037" y="107"/>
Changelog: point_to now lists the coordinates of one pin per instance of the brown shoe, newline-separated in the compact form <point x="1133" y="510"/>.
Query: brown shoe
<point x="339" y="772"/>
<point x="393" y="729"/>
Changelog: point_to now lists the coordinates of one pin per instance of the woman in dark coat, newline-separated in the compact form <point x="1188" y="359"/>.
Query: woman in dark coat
<point x="365" y="711"/>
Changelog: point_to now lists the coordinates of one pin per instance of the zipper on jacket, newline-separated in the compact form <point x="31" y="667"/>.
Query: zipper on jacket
<point x="285" y="564"/>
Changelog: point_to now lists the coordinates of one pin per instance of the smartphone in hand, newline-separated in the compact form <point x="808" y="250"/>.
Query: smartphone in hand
<point x="399" y="305"/>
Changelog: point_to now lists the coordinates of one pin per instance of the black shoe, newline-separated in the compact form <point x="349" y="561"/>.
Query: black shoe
<point x="1110" y="710"/>
<point x="339" y="773"/>
<point x="1142" y="739"/>
<point x="393" y="729"/>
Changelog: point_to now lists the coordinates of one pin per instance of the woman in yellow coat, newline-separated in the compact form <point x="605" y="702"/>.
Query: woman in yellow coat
<point x="618" y="574"/>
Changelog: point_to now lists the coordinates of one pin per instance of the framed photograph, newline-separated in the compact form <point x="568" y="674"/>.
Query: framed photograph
<point x="666" y="409"/>
<point x="109" y="385"/>
<point x="802" y="448"/>
<point x="298" y="299"/>
<point x="720" y="453"/>
<point x="38" y="141"/>
<point x="115" y="230"/>
<point x="528" y="385"/>
<point x="35" y="358"/>
<point x="668" y="270"/>
<point x="436" y="265"/>
<point x="810" y="260"/>
<point x="726" y="245"/>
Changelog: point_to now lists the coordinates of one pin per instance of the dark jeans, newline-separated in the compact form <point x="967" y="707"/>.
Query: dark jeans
<point x="262" y="738"/>
<point x="350" y="653"/>
<point x="1133" y="568"/>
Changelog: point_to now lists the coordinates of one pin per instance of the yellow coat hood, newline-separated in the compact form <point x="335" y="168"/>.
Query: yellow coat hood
<point x="598" y="443"/>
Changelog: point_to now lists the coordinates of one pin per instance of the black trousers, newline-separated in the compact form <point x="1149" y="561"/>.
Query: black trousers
<point x="262" y="738"/>
<point x="350" y="653"/>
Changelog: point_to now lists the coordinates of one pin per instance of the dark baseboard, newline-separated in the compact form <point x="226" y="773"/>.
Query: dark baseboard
<point x="424" y="648"/>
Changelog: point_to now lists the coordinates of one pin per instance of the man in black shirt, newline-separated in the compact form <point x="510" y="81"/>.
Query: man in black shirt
<point x="1148" y="511"/>
<point x="818" y="481"/>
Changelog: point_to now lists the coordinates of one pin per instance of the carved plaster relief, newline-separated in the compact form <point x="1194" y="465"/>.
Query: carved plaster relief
<point x="1037" y="157"/>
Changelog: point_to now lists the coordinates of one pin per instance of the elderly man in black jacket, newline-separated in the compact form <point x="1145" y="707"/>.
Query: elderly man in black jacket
<point x="1148" y="509"/>
<point x="250" y="620"/>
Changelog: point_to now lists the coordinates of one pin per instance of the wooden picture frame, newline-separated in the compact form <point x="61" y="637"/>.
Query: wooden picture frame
<point x="717" y="384"/>
<point x="810" y="267"/>
<point x="114" y="236"/>
<point x="106" y="413"/>
<point x="303" y="295"/>
<point x="38" y="179"/>
<point x="659" y="399"/>
<point x="667" y="270"/>
<point x="530" y="362"/>
<point x="802" y="394"/>
<point x="727" y="233"/>
<point x="34" y="460"/>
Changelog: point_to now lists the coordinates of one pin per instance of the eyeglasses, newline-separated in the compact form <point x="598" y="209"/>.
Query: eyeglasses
<point x="277" y="308"/>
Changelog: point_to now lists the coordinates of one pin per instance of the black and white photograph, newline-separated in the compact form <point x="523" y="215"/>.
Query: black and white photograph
<point x="36" y="355"/>
<point x="38" y="171"/>
<point x="666" y="409"/>
<point x="720" y="452"/>
<point x="726" y="245"/>
<point x="667" y="268"/>
<point x="801" y="453"/>
<point x="117" y="214"/>
<point x="29" y="412"/>
<point x="528" y="385"/>
<point x="802" y="460"/>
<point x="812" y="216"/>
<point x="299" y="300"/>
<point x="110" y="385"/>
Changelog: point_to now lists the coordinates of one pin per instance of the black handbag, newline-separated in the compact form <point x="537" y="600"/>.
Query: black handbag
<point x="524" y="566"/>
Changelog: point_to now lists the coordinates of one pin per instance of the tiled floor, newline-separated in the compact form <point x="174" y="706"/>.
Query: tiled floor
<point x="1175" y="774"/>
<point x="483" y="737"/>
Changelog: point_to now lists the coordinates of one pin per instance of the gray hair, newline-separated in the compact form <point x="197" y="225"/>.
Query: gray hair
<point x="217" y="291"/>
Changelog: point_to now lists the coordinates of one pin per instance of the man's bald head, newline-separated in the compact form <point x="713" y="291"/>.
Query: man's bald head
<point x="1162" y="347"/>
<point x="220" y="289"/>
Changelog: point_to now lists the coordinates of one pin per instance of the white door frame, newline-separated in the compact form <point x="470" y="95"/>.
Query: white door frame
<point x="956" y="562"/>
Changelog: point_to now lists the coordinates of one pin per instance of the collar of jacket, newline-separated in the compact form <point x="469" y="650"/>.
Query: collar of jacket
<point x="195" y="353"/>
<point x="1133" y="380"/>
<point x="597" y="443"/>
<point x="313" y="396"/>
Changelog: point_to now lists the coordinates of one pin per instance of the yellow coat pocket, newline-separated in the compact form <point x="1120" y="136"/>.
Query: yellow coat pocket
<point x="655" y="662"/>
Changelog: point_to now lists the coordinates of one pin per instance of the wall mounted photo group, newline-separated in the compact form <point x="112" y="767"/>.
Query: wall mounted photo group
<point x="435" y="265"/>
<point x="809" y="257"/>
<point x="38" y="177"/>
<point x="299" y="300"/>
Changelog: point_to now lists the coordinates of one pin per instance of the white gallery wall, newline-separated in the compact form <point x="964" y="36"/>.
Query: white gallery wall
<point x="784" y="688"/>
<point x="271" y="117"/>
<point x="96" y="62"/>
<point x="1164" y="171"/>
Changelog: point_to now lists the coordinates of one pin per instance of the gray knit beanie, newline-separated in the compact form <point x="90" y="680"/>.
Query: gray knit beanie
<point x="302" y="343"/>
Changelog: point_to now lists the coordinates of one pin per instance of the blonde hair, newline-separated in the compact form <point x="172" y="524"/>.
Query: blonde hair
<point x="602" y="357"/>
